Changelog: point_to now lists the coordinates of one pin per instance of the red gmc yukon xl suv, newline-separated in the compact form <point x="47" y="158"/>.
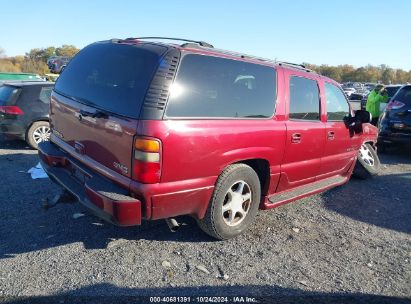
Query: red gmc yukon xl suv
<point x="151" y="130"/>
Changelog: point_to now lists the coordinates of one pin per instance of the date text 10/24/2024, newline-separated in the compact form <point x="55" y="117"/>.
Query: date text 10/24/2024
<point x="206" y="299"/>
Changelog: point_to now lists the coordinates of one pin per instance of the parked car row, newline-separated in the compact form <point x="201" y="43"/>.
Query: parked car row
<point x="356" y="87"/>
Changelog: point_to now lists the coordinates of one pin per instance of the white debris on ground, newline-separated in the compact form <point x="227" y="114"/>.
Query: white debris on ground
<point x="37" y="172"/>
<point x="78" y="215"/>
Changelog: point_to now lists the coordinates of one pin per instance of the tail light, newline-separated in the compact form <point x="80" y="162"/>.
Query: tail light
<point x="395" y="105"/>
<point x="14" y="110"/>
<point x="147" y="160"/>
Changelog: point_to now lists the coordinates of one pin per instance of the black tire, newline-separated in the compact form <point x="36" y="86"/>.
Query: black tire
<point x="34" y="133"/>
<point x="215" y="222"/>
<point x="368" y="163"/>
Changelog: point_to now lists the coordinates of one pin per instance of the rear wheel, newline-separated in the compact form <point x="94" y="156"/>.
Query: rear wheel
<point x="234" y="203"/>
<point x="368" y="164"/>
<point x="37" y="133"/>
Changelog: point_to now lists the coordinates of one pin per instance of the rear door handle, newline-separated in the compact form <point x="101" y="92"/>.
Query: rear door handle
<point x="296" y="138"/>
<point x="331" y="135"/>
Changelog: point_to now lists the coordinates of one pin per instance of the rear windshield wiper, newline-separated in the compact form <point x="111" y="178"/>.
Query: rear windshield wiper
<point x="97" y="114"/>
<point x="83" y="101"/>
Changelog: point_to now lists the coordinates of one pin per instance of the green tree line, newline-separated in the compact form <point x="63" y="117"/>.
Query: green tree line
<point x="34" y="61"/>
<point x="370" y="73"/>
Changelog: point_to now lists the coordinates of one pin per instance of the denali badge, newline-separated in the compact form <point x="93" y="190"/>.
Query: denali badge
<point x="120" y="167"/>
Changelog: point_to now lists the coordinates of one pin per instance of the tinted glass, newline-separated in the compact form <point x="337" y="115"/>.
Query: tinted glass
<point x="6" y="94"/>
<point x="45" y="94"/>
<point x="337" y="105"/>
<point x="404" y="96"/>
<point x="391" y="91"/>
<point x="304" y="99"/>
<point x="112" y="77"/>
<point x="216" y="87"/>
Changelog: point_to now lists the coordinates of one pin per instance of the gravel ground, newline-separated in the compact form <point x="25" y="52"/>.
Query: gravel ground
<point x="352" y="240"/>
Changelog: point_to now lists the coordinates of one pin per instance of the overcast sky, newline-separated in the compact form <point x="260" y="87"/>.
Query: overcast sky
<point x="320" y="32"/>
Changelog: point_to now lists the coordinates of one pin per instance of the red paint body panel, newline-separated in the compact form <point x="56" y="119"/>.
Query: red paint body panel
<point x="185" y="202"/>
<point x="126" y="213"/>
<point x="202" y="148"/>
<point x="104" y="140"/>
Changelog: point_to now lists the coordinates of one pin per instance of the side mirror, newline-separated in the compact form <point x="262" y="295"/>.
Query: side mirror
<point x="363" y="116"/>
<point x="354" y="123"/>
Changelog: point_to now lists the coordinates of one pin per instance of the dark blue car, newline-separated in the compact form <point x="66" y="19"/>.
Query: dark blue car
<point x="395" y="123"/>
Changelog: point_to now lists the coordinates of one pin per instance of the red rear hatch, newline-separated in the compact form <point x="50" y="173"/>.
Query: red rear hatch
<point x="97" y="100"/>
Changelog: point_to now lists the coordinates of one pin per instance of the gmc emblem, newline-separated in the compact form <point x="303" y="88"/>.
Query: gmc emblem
<point x="120" y="167"/>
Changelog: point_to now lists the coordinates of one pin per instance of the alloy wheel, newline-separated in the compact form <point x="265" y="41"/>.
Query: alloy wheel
<point x="366" y="155"/>
<point x="41" y="134"/>
<point x="237" y="202"/>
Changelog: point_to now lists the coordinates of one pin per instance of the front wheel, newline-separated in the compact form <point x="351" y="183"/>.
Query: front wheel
<point x="234" y="203"/>
<point x="368" y="163"/>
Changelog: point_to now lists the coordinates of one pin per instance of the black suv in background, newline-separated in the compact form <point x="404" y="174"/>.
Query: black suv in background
<point x="24" y="111"/>
<point x="57" y="63"/>
<point x="395" y="123"/>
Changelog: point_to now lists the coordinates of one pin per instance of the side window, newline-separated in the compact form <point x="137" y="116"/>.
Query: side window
<point x="337" y="105"/>
<point x="304" y="99"/>
<point x="45" y="94"/>
<point x="208" y="86"/>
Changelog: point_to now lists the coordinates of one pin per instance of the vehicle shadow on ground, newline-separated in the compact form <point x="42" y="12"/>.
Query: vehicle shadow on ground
<point x="109" y="293"/>
<point x="57" y="227"/>
<point x="6" y="144"/>
<point x="396" y="155"/>
<point x="387" y="206"/>
<point x="25" y="226"/>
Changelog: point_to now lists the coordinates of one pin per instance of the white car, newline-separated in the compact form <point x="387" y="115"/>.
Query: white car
<point x="349" y="91"/>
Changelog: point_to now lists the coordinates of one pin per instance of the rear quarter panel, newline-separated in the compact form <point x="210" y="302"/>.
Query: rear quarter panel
<point x="203" y="148"/>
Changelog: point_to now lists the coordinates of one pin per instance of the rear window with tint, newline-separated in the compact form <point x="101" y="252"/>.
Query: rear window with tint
<point x="6" y="94"/>
<point x="208" y="86"/>
<point x="392" y="90"/>
<point x="111" y="77"/>
<point x="404" y="96"/>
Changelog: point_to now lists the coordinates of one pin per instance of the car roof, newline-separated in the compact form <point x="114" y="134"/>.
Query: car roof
<point x="28" y="83"/>
<point x="207" y="49"/>
<point x="204" y="48"/>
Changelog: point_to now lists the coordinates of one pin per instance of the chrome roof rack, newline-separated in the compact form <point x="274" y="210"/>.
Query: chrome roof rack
<point x="294" y="65"/>
<point x="200" y="43"/>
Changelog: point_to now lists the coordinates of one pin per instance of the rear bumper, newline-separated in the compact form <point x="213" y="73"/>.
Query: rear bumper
<point x="101" y="196"/>
<point x="394" y="138"/>
<point x="121" y="206"/>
